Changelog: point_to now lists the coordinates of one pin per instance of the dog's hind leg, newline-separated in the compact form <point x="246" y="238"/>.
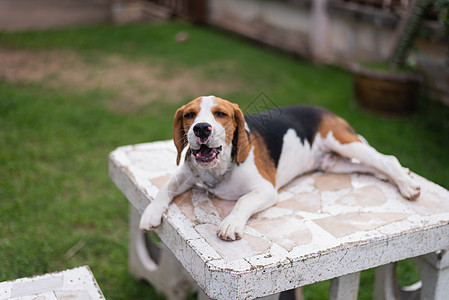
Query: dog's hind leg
<point x="335" y="163"/>
<point x="370" y="158"/>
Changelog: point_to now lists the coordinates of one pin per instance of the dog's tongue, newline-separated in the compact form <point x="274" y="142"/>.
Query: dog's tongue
<point x="205" y="152"/>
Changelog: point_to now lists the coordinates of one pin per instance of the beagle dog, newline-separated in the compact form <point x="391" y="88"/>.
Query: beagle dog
<point x="250" y="157"/>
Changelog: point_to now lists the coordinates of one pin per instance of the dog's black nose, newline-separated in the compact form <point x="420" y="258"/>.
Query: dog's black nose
<point x="202" y="130"/>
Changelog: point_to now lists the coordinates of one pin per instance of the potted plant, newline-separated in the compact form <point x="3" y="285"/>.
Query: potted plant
<point x="385" y="90"/>
<point x="393" y="88"/>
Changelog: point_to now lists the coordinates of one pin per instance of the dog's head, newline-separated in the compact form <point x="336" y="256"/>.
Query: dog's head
<point x="208" y="125"/>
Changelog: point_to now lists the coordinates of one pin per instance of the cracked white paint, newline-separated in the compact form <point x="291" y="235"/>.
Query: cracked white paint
<point x="322" y="220"/>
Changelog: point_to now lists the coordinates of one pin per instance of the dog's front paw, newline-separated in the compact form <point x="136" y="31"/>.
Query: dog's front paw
<point x="409" y="188"/>
<point x="151" y="217"/>
<point x="231" y="228"/>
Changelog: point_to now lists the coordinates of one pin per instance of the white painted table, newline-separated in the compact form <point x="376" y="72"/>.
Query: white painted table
<point x="325" y="226"/>
<point x="76" y="284"/>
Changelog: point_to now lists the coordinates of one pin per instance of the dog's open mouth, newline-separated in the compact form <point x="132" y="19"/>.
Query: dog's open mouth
<point x="205" y="155"/>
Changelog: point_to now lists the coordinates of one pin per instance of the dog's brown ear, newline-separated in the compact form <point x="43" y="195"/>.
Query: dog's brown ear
<point x="242" y="148"/>
<point x="179" y="136"/>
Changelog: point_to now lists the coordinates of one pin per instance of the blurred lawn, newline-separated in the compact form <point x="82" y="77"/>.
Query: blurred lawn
<point x="55" y="192"/>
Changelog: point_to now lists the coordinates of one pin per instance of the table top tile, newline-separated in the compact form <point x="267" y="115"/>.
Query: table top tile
<point x="77" y="283"/>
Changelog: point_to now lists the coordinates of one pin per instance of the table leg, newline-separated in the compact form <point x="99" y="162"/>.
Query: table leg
<point x="165" y="273"/>
<point x="345" y="287"/>
<point x="434" y="272"/>
<point x="385" y="283"/>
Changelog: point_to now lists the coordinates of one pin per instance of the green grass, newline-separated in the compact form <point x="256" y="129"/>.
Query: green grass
<point x="54" y="186"/>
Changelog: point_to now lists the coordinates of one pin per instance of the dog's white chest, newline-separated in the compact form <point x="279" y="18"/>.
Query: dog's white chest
<point x="241" y="180"/>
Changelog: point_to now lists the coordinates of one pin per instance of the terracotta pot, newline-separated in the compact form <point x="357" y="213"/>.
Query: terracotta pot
<point x="387" y="92"/>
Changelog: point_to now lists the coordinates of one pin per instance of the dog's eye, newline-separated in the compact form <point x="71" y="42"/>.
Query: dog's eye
<point x="189" y="115"/>
<point x="220" y="114"/>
